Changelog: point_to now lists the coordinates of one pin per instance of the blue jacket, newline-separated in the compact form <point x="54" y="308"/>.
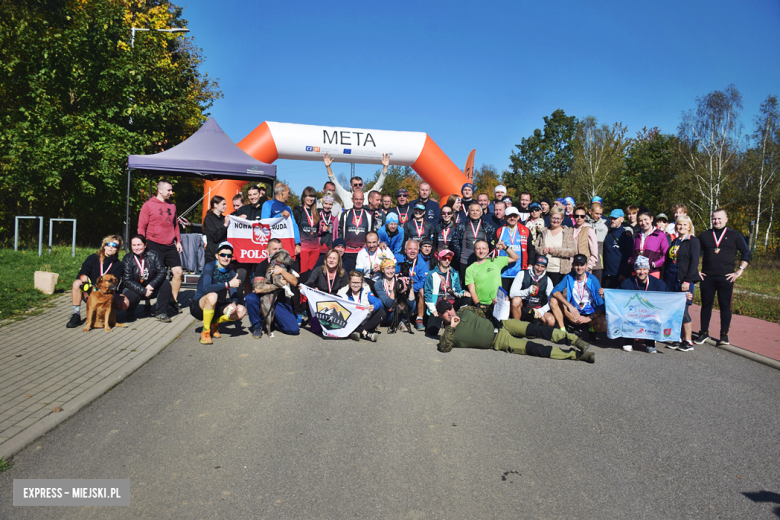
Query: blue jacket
<point x="618" y="246"/>
<point x="273" y="208"/>
<point x="421" y="270"/>
<point x="432" y="287"/>
<point x="394" y="243"/>
<point x="212" y="280"/>
<point x="591" y="283"/>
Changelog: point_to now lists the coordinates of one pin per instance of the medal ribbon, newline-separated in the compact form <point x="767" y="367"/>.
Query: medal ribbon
<point x="472" y="228"/>
<point x="420" y="229"/>
<point x="102" y="272"/>
<point x="581" y="291"/>
<point x="647" y="284"/>
<point x="309" y="217"/>
<point x="141" y="267"/>
<point x="718" y="241"/>
<point x="358" y="221"/>
<point x="445" y="233"/>
<point x="330" y="282"/>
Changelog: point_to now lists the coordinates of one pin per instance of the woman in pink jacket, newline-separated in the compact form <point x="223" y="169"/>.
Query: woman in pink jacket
<point x="650" y="242"/>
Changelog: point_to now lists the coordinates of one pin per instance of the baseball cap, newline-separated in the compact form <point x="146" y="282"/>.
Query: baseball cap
<point x="535" y="205"/>
<point x="426" y="240"/>
<point x="445" y="252"/>
<point x="340" y="242"/>
<point x="500" y="187"/>
<point x="401" y="191"/>
<point x="617" y="213"/>
<point x="511" y="210"/>
<point x="579" y="259"/>
<point x="542" y="260"/>
<point x="641" y="262"/>
<point x="467" y="185"/>
<point x="225" y="245"/>
<point x="443" y="306"/>
<point x="391" y="217"/>
<point x="661" y="216"/>
<point x="419" y="207"/>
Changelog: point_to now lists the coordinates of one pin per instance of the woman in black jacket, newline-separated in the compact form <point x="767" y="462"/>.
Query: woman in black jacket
<point x="682" y="272"/>
<point x="144" y="277"/>
<point x="328" y="278"/>
<point x="105" y="261"/>
<point x="215" y="226"/>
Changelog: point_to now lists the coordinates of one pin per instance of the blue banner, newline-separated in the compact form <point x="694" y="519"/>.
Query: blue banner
<point x="644" y="314"/>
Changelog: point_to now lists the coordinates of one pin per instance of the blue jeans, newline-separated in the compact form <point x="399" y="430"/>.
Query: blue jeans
<point x="285" y="320"/>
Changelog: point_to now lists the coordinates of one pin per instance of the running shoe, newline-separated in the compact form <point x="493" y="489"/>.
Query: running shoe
<point x="628" y="348"/>
<point x="651" y="350"/>
<point x="418" y="324"/>
<point x="724" y="339"/>
<point x="371" y="336"/>
<point x="674" y="345"/>
<point x="75" y="321"/>
<point x="686" y="346"/>
<point x="702" y="338"/>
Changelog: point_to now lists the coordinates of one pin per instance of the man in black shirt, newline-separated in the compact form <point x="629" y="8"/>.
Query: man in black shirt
<point x="719" y="247"/>
<point x="402" y="208"/>
<point x="432" y="211"/>
<point x="250" y="211"/>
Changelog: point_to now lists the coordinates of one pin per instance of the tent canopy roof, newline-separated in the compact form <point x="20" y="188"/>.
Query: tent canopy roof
<point x="208" y="153"/>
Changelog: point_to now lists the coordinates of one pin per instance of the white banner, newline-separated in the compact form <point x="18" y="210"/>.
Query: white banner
<point x="250" y="237"/>
<point x="644" y="314"/>
<point x="338" y="317"/>
<point x="352" y="145"/>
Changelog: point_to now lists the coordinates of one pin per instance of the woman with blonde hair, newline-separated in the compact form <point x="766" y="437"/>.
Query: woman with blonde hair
<point x="557" y="243"/>
<point x="104" y="261"/>
<point x="682" y="273"/>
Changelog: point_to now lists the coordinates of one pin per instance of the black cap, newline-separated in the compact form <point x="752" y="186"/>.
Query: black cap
<point x="340" y="242"/>
<point x="579" y="259"/>
<point x="426" y="240"/>
<point x="443" y="306"/>
<point x="545" y="199"/>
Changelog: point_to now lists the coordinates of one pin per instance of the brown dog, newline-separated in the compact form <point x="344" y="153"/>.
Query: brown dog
<point x="100" y="309"/>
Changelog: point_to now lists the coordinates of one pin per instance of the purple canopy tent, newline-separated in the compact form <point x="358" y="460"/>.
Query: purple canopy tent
<point x="208" y="153"/>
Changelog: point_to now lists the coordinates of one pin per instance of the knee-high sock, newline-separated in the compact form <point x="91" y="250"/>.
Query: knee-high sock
<point x="208" y="315"/>
<point x="221" y="319"/>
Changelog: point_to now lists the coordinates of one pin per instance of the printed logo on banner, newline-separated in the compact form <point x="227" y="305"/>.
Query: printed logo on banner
<point x="261" y="233"/>
<point x="667" y="333"/>
<point x="312" y="148"/>
<point x="347" y="151"/>
<point x="637" y="301"/>
<point x="332" y="315"/>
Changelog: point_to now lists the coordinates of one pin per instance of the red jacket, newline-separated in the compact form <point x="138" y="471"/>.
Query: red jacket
<point x="157" y="222"/>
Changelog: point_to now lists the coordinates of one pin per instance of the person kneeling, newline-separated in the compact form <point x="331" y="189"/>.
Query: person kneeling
<point x="284" y="319"/>
<point x="144" y="277"/>
<point x="469" y="328"/>
<point x="531" y="292"/>
<point x="359" y="292"/>
<point x="577" y="299"/>
<point x="210" y="298"/>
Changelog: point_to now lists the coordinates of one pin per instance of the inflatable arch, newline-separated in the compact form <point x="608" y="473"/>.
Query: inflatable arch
<point x="271" y="141"/>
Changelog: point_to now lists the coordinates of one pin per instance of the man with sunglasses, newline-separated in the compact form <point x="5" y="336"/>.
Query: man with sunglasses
<point x="418" y="228"/>
<point x="516" y="237"/>
<point x="216" y="282"/>
<point x="402" y="207"/>
<point x="355" y="183"/>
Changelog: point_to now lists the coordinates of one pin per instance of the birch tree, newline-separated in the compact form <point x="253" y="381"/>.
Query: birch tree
<point x="767" y="138"/>
<point x="598" y="156"/>
<point x="709" y="144"/>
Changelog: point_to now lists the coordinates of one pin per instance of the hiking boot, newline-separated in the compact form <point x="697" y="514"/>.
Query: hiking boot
<point x="582" y="345"/>
<point x="371" y="336"/>
<point x="163" y="317"/>
<point x="355" y="336"/>
<point x="75" y="320"/>
<point x="215" y="330"/>
<point x="205" y="337"/>
<point x="686" y="346"/>
<point x="419" y="324"/>
<point x="702" y="338"/>
<point x="629" y="347"/>
<point x="588" y="357"/>
<point x="724" y="339"/>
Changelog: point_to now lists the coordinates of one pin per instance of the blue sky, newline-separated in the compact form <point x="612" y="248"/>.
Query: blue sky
<point x="478" y="74"/>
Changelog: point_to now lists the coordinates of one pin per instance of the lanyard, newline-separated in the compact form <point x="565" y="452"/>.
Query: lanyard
<point x="102" y="272"/>
<point x="141" y="266"/>
<point x="472" y="228"/>
<point x="330" y="282"/>
<point x="419" y="228"/>
<point x="370" y="260"/>
<point x="445" y="233"/>
<point x="389" y="290"/>
<point x="642" y="238"/>
<point x="358" y="221"/>
<point x="330" y="217"/>
<point x="309" y="217"/>
<point x="581" y="291"/>
<point x="447" y="280"/>
<point x="411" y="271"/>
<point x="719" y="240"/>
<point x="534" y="279"/>
<point x="647" y="284"/>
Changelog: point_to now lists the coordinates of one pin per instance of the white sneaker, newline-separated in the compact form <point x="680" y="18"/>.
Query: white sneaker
<point x="628" y="348"/>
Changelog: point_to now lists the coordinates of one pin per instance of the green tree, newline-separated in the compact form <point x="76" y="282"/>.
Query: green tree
<point x="764" y="164"/>
<point x="485" y="180"/>
<point x="70" y="82"/>
<point x="599" y="152"/>
<point x="544" y="158"/>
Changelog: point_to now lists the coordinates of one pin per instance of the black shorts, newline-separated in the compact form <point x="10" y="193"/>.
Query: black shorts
<point x="197" y="312"/>
<point x="167" y="254"/>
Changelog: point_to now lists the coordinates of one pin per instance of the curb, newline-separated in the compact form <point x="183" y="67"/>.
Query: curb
<point x="70" y="408"/>
<point x="758" y="358"/>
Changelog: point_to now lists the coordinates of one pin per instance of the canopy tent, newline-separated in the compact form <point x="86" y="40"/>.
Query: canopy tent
<point x="208" y="153"/>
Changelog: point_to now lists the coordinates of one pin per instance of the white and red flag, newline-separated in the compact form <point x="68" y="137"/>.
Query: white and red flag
<point x="250" y="237"/>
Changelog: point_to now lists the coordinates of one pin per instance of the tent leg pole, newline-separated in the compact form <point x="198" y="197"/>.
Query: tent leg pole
<point x="127" y="211"/>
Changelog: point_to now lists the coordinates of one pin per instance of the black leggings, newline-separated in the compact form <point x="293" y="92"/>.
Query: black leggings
<point x="163" y="293"/>
<point x="372" y="322"/>
<point x="725" y="290"/>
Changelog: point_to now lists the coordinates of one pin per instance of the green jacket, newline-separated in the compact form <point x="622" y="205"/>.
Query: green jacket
<point x="473" y="331"/>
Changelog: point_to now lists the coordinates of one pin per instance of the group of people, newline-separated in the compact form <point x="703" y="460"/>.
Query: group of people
<point x="552" y="259"/>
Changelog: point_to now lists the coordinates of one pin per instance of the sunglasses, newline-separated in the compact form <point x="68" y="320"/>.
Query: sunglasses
<point x="579" y="216"/>
<point x="446" y="213"/>
<point x="358" y="184"/>
<point x="225" y="255"/>
<point x="112" y="244"/>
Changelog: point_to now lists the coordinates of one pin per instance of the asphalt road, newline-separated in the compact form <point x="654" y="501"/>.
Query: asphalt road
<point x="299" y="427"/>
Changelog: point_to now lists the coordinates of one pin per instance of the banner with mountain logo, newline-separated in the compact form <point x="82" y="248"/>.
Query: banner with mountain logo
<point x="644" y="314"/>
<point x="338" y="317"/>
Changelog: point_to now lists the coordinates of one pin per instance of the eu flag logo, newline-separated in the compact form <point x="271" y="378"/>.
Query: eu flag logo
<point x="347" y="151"/>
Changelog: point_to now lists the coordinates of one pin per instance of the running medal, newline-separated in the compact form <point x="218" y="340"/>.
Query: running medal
<point x="718" y="241"/>
<point x="358" y="221"/>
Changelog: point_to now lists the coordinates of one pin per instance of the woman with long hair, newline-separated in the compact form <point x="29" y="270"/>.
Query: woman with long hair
<point x="458" y="213"/>
<point x="104" y="261"/>
<point x="682" y="273"/>
<point x="329" y="278"/>
<point x="585" y="237"/>
<point x="307" y="218"/>
<point x="144" y="278"/>
<point x="557" y="243"/>
<point x="215" y="225"/>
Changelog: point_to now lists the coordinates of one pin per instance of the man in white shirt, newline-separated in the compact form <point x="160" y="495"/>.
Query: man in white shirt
<point x="356" y="182"/>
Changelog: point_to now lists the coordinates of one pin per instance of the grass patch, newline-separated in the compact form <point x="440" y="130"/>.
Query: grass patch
<point x="5" y="465"/>
<point x="762" y="277"/>
<point x="18" y="294"/>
